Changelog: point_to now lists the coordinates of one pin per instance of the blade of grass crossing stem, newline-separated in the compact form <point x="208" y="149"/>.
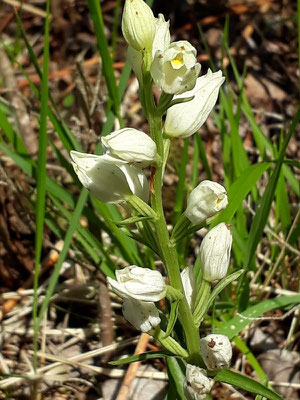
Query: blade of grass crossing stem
<point x="107" y="65"/>
<point x="180" y="189"/>
<point x="263" y="211"/>
<point x="41" y="182"/>
<point x="67" y="241"/>
<point x="202" y="155"/>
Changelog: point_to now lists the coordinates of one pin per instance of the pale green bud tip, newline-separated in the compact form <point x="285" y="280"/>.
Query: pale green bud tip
<point x="216" y="351"/>
<point x="196" y="384"/>
<point x="215" y="252"/>
<point x="138" y="25"/>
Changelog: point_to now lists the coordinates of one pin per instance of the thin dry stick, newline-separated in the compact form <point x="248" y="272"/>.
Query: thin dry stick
<point x="27" y="7"/>
<point x="133" y="368"/>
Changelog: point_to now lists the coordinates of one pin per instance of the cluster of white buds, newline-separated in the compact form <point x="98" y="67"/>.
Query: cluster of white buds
<point x="173" y="67"/>
<point x="216" y="351"/>
<point x="117" y="174"/>
<point x="196" y="384"/>
<point x="140" y="288"/>
<point x="215" y="252"/>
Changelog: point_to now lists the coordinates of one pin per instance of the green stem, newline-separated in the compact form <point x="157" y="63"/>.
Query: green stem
<point x="167" y="250"/>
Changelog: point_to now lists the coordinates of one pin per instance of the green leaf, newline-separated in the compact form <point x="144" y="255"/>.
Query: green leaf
<point x="263" y="211"/>
<point x="235" y="325"/>
<point x="172" y="318"/>
<point x="219" y="287"/>
<point x="239" y="190"/>
<point x="176" y="375"/>
<point x="41" y="180"/>
<point x="107" y="65"/>
<point x="67" y="242"/>
<point x="246" y="383"/>
<point x="149" y="355"/>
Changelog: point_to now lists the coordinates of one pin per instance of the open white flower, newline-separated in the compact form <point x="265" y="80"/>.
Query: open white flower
<point x="189" y="283"/>
<point x="138" y="283"/>
<point x="175" y="70"/>
<point x="216" y="351"/>
<point x="205" y="200"/>
<point x="130" y="145"/>
<point x="185" y="119"/>
<point x="196" y="384"/>
<point x="109" y="179"/>
<point x="138" y="25"/>
<point x="142" y="315"/>
<point x="215" y="252"/>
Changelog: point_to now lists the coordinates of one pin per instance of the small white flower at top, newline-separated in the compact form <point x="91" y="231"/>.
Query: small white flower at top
<point x="175" y="70"/>
<point x="138" y="25"/>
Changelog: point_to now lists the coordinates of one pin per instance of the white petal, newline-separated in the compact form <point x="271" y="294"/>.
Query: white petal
<point x="143" y="316"/>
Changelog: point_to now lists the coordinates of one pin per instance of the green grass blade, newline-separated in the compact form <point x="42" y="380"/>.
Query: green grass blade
<point x="180" y="189"/>
<point x="202" y="156"/>
<point x="263" y="211"/>
<point x="246" y="383"/>
<point x="107" y="65"/>
<point x="234" y="326"/>
<point x="41" y="181"/>
<point x="67" y="241"/>
<point x="239" y="190"/>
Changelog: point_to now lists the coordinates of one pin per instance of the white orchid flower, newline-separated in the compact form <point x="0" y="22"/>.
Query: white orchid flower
<point x="216" y="351"/>
<point x="109" y="179"/>
<point x="138" y="283"/>
<point x="132" y="146"/>
<point x="215" y="252"/>
<point x="196" y="384"/>
<point x="175" y="70"/>
<point x="142" y="315"/>
<point x="189" y="284"/>
<point x="205" y="200"/>
<point x="184" y="119"/>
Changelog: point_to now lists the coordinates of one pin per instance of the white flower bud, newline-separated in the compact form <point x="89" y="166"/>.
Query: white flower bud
<point x="109" y="179"/>
<point x="196" y="384"/>
<point x="215" y="252"/>
<point x="130" y="145"/>
<point x="184" y="119"/>
<point x="138" y="283"/>
<point x="204" y="201"/>
<point x="143" y="316"/>
<point x="216" y="351"/>
<point x="138" y="25"/>
<point x="161" y="42"/>
<point x="175" y="70"/>
<point x="188" y="283"/>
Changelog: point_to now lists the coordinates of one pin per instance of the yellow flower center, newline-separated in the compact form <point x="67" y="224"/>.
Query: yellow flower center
<point x="177" y="62"/>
